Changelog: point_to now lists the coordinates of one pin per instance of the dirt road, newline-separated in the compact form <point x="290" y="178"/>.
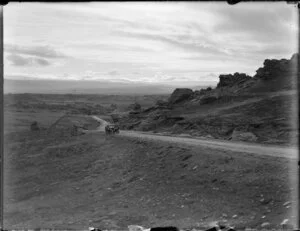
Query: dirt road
<point x="258" y="149"/>
<point x="102" y="122"/>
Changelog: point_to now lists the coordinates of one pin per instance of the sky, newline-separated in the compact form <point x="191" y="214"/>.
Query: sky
<point x="146" y="42"/>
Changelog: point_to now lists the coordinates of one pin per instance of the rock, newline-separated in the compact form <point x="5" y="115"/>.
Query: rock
<point x="161" y="103"/>
<point x="135" y="228"/>
<point x="207" y="99"/>
<point x="213" y="224"/>
<point x="287" y="203"/>
<point x="286" y="225"/>
<point x="216" y="228"/>
<point x="94" y="229"/>
<point x="135" y="107"/>
<point x="34" y="126"/>
<point x="243" y="136"/>
<point x="285" y="221"/>
<point x="265" y="224"/>
<point x="277" y="68"/>
<point x="231" y="80"/>
<point x="180" y="94"/>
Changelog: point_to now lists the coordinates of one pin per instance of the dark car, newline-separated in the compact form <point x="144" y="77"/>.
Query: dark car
<point x="112" y="129"/>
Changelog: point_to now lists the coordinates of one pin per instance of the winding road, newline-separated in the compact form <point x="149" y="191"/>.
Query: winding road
<point x="251" y="148"/>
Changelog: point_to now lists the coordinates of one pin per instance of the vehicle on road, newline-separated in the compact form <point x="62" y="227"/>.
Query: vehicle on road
<point x="112" y="129"/>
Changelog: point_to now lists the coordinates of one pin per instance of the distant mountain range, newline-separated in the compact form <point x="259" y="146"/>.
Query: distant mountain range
<point x="88" y="87"/>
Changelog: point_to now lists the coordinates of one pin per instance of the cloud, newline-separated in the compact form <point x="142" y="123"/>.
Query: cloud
<point x="264" y="24"/>
<point x="135" y="41"/>
<point x="191" y="46"/>
<point x="38" y="51"/>
<point x="19" y="76"/>
<point x="31" y="55"/>
<point x="113" y="73"/>
<point x="18" y="60"/>
<point x="42" y="62"/>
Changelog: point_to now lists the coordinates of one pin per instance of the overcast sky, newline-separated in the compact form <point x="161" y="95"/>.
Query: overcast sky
<point x="157" y="42"/>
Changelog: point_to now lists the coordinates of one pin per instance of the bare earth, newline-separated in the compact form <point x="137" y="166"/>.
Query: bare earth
<point x="145" y="179"/>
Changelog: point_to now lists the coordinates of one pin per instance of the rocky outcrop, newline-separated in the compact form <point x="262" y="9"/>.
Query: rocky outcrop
<point x="180" y="94"/>
<point x="231" y="80"/>
<point x="202" y="91"/>
<point x="273" y="68"/>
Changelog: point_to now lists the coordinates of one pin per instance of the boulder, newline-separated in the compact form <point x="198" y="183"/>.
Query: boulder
<point x="180" y="94"/>
<point x="34" y="126"/>
<point x="231" y="80"/>
<point x="265" y="224"/>
<point x="243" y="136"/>
<point x="208" y="99"/>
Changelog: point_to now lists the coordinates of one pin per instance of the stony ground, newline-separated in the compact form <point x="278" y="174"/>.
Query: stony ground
<point x="110" y="183"/>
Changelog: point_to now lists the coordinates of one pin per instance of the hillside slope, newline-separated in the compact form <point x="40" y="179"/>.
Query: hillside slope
<point x="261" y="108"/>
<point x="91" y="180"/>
